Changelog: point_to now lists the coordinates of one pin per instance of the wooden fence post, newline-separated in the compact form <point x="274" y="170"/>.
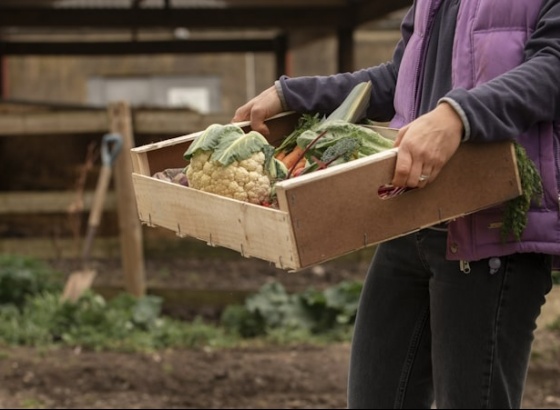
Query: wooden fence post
<point x="132" y="250"/>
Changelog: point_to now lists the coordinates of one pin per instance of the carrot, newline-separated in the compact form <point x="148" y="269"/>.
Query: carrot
<point x="280" y="156"/>
<point x="299" y="167"/>
<point x="298" y="171"/>
<point x="293" y="157"/>
<point x="300" y="164"/>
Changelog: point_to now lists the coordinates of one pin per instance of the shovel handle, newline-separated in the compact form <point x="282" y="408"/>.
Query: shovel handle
<point x="111" y="145"/>
<point x="99" y="196"/>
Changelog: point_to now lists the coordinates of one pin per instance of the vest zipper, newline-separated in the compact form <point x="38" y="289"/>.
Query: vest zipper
<point x="465" y="267"/>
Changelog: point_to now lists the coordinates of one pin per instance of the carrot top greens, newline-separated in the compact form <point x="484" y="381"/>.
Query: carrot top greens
<point x="515" y="215"/>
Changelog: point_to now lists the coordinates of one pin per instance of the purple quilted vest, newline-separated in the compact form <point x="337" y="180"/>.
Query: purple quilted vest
<point x="489" y="40"/>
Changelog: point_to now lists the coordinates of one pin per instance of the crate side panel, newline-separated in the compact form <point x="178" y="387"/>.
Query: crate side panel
<point x="340" y="211"/>
<point x="252" y="230"/>
<point x="149" y="162"/>
<point x="140" y="163"/>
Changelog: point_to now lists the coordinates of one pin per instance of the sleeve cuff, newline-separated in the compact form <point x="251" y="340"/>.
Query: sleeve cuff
<point x="280" y="92"/>
<point x="462" y="115"/>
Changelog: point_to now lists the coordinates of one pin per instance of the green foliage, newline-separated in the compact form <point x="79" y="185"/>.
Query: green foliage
<point x="274" y="312"/>
<point x="239" y="319"/>
<point x="556" y="277"/>
<point x="343" y="148"/>
<point x="124" y="323"/>
<point x="33" y="314"/>
<point x="305" y="122"/>
<point x="555" y="325"/>
<point x="515" y="215"/>
<point x="22" y="277"/>
<point x="371" y="142"/>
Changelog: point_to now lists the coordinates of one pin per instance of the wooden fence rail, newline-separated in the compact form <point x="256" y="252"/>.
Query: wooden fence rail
<point x="130" y="242"/>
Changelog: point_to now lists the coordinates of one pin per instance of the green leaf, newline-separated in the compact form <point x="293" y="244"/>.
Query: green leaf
<point x="277" y="169"/>
<point x="212" y="137"/>
<point x="354" y="106"/>
<point x="371" y="142"/>
<point x="233" y="148"/>
<point x="147" y="310"/>
<point x="516" y="210"/>
<point x="306" y="122"/>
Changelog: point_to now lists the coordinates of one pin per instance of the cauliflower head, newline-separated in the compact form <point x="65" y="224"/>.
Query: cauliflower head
<point x="243" y="180"/>
<point x="226" y="161"/>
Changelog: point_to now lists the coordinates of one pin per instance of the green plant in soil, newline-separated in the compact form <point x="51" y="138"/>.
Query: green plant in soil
<point x="38" y="318"/>
<point x="273" y="311"/>
<point x="22" y="277"/>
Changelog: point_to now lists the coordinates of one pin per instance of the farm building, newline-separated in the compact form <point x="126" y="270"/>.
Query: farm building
<point x="178" y="65"/>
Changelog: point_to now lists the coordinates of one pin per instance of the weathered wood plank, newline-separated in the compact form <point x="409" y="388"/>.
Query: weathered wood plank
<point x="66" y="248"/>
<point x="132" y="251"/>
<point x="20" y="202"/>
<point x="174" y="122"/>
<point x="157" y="241"/>
<point x="145" y="121"/>
<point x="56" y="122"/>
<point x="252" y="230"/>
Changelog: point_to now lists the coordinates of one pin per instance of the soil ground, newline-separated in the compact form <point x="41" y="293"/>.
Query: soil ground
<point x="263" y="377"/>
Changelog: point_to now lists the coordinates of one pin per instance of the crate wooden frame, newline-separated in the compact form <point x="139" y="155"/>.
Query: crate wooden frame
<point x="325" y="214"/>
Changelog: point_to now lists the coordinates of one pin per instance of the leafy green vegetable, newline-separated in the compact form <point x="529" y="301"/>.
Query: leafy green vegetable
<point x="313" y="311"/>
<point x="371" y="142"/>
<point x="336" y="138"/>
<point x="234" y="147"/>
<point x="22" y="277"/>
<point x="515" y="215"/>
<point x="351" y="110"/>
<point x="212" y="136"/>
<point x="228" y="143"/>
<point x="342" y="149"/>
<point x="354" y="106"/>
<point x="305" y="122"/>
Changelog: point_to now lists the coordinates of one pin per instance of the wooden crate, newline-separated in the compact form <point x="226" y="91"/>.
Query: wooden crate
<point x="325" y="214"/>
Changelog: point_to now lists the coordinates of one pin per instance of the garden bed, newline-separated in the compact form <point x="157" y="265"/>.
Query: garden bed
<point x="299" y="376"/>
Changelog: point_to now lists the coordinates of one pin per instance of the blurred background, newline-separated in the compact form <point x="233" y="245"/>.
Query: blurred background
<point x="178" y="65"/>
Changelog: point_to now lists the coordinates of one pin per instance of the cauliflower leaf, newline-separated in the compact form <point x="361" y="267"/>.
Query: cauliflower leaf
<point x="233" y="147"/>
<point x="212" y="137"/>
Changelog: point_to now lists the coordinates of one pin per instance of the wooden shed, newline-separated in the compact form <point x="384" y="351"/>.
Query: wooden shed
<point x="53" y="53"/>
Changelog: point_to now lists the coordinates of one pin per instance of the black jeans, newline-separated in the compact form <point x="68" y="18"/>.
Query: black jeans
<point x="427" y="333"/>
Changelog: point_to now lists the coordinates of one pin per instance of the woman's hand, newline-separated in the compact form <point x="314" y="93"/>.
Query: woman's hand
<point x="263" y="106"/>
<point x="425" y="146"/>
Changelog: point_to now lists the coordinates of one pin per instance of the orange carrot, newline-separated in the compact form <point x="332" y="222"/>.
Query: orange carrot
<point x="280" y="155"/>
<point x="293" y="157"/>
<point x="298" y="168"/>
<point x="300" y="164"/>
<point x="298" y="171"/>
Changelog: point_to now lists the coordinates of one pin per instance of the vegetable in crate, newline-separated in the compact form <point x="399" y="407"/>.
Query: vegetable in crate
<point x="226" y="161"/>
<point x="338" y="141"/>
<point x="175" y="175"/>
<point x="351" y="111"/>
<point x="334" y="139"/>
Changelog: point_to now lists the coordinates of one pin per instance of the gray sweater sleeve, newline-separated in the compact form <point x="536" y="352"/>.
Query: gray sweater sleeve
<point x="323" y="94"/>
<point x="513" y="102"/>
